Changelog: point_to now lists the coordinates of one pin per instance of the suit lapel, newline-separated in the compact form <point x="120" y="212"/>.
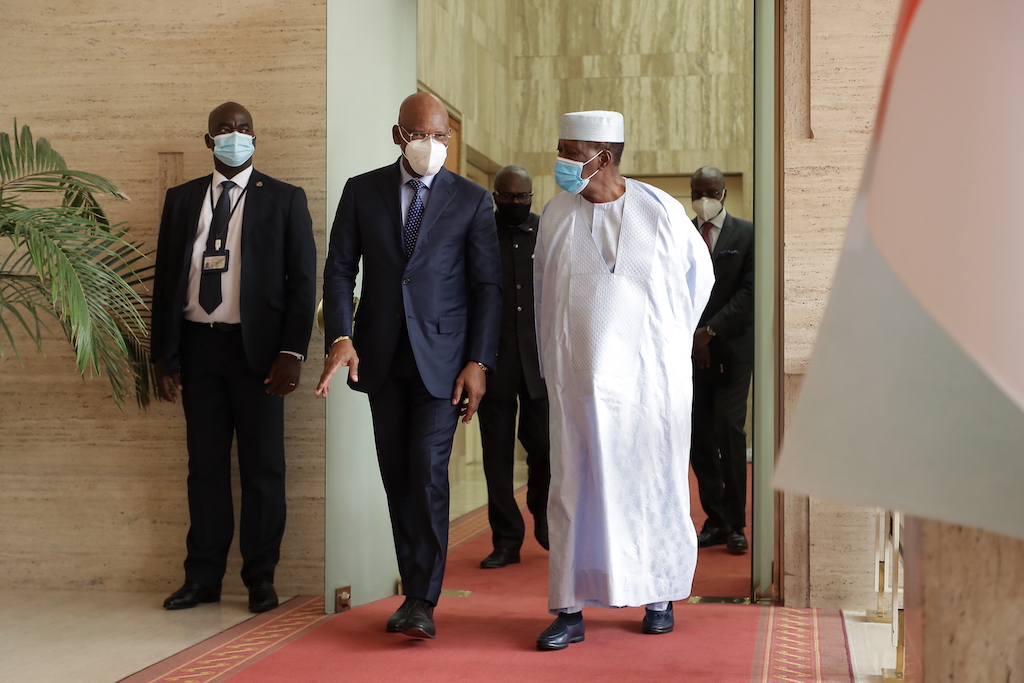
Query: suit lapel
<point x="441" y="192"/>
<point x="200" y="192"/>
<point x="255" y="192"/>
<point x="390" y="189"/>
<point x="724" y="237"/>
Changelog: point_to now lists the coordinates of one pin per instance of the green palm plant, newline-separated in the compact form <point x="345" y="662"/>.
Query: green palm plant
<point x="65" y="262"/>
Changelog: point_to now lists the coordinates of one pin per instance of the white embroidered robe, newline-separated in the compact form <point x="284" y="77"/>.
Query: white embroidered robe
<point x="616" y="354"/>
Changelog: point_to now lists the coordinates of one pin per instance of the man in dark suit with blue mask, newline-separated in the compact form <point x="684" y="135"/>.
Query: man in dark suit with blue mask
<point x="425" y="333"/>
<point x="233" y="300"/>
<point x="723" y="360"/>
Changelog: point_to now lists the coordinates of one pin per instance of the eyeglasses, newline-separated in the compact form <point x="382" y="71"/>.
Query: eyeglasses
<point x="712" y="194"/>
<point x="443" y="138"/>
<point x="509" y="197"/>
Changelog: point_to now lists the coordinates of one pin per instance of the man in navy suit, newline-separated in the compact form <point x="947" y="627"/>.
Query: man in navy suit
<point x="233" y="300"/>
<point x="425" y="333"/>
<point x="723" y="359"/>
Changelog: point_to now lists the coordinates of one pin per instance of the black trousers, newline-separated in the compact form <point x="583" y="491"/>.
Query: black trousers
<point x="498" y="437"/>
<point x="224" y="398"/>
<point x="413" y="432"/>
<point x="718" y="449"/>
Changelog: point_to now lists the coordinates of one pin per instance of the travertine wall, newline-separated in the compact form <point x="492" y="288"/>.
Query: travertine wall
<point x="90" y="496"/>
<point x="680" y="72"/>
<point x="835" y="61"/>
<point x="973" y="605"/>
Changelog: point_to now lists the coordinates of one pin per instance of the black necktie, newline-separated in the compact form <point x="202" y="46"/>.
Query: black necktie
<point x="209" y="283"/>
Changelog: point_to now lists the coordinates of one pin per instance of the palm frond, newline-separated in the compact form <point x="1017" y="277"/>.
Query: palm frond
<point x="68" y="262"/>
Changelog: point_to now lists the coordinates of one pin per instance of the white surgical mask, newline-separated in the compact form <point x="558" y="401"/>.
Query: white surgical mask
<point x="426" y="156"/>
<point x="707" y="208"/>
<point x="234" y="149"/>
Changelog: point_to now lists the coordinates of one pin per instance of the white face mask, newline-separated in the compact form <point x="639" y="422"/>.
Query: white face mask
<point x="707" y="208"/>
<point x="426" y="156"/>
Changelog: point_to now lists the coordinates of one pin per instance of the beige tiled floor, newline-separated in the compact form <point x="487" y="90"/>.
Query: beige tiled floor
<point x="871" y="647"/>
<point x="101" y="637"/>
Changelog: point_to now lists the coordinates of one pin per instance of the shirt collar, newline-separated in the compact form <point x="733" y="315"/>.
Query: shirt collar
<point x="406" y="176"/>
<point x="241" y="178"/>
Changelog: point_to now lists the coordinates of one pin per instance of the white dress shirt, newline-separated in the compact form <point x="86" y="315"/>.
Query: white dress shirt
<point x="229" y="310"/>
<point x="717" y="222"/>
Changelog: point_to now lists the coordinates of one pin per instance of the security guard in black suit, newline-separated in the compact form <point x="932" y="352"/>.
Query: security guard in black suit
<point x="233" y="299"/>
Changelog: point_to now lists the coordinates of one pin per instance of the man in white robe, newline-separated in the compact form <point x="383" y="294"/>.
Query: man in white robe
<point x="621" y="278"/>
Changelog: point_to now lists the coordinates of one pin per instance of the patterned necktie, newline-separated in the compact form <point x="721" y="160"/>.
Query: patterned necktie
<point x="209" y="283"/>
<point x="705" y="232"/>
<point x="412" y="222"/>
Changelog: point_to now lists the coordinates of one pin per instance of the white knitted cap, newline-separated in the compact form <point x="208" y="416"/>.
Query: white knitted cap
<point x="593" y="126"/>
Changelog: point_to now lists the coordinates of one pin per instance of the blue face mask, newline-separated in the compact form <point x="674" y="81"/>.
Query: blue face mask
<point x="234" y="149"/>
<point x="569" y="174"/>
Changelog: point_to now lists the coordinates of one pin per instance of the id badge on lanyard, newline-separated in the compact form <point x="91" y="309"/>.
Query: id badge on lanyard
<point x="216" y="260"/>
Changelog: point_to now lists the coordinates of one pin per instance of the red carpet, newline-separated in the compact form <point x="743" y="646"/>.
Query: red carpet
<point x="490" y="635"/>
<point x="719" y="572"/>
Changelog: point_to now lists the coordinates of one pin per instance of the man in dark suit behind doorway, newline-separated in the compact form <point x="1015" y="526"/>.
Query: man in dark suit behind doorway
<point x="723" y="357"/>
<point x="516" y="386"/>
<point x="425" y="334"/>
<point x="233" y="300"/>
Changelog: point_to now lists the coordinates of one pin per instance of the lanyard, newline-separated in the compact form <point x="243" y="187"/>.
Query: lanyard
<point x="221" y="237"/>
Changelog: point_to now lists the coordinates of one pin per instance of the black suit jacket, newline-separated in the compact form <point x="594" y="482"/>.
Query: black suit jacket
<point x="278" y="278"/>
<point x="448" y="293"/>
<point x="517" y="344"/>
<point x="730" y="311"/>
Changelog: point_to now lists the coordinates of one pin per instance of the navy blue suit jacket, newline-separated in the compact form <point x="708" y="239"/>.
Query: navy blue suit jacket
<point x="278" y="278"/>
<point x="448" y="293"/>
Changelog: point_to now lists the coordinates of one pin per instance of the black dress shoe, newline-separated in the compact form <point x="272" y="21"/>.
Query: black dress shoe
<point x="419" y="619"/>
<point x="540" y="531"/>
<point x="500" y="558"/>
<point x="659" y="622"/>
<point x="561" y="633"/>
<point x="736" y="542"/>
<point x="190" y="595"/>
<point x="262" y="596"/>
<point x="711" y="535"/>
<point x="396" y="622"/>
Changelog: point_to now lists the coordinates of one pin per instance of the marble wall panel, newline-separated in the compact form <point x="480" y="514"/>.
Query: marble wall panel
<point x="679" y="71"/>
<point x="973" y="605"/>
